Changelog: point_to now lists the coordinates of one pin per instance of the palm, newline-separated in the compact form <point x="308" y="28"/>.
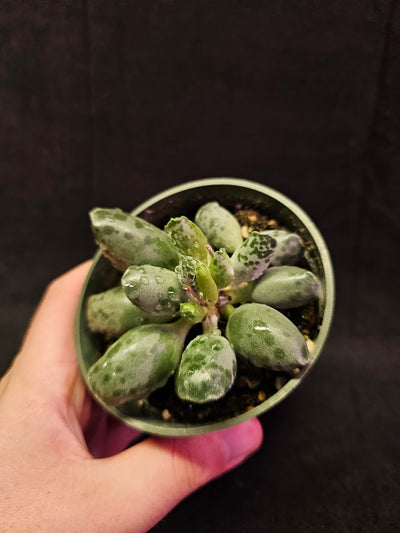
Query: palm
<point x="104" y="435"/>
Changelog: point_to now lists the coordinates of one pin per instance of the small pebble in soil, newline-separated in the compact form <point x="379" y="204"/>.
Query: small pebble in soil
<point x="166" y="415"/>
<point x="255" y="221"/>
<point x="280" y="381"/>
<point x="261" y="396"/>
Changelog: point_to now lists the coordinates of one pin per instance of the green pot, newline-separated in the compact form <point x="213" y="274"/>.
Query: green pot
<point x="185" y="199"/>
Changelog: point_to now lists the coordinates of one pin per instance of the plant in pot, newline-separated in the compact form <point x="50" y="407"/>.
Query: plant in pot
<point x="205" y="306"/>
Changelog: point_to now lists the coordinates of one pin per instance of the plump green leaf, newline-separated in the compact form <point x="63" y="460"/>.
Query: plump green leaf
<point x="266" y="337"/>
<point x="285" y="287"/>
<point x="221" y="268"/>
<point x="139" y="362"/>
<point x="154" y="289"/>
<point x="112" y="313"/>
<point x="188" y="238"/>
<point x="252" y="258"/>
<point x="192" y="312"/>
<point x="205" y="283"/>
<point x="196" y="275"/>
<point x="207" y="369"/>
<point x="289" y="247"/>
<point x="220" y="226"/>
<point x="128" y="240"/>
<point x="186" y="271"/>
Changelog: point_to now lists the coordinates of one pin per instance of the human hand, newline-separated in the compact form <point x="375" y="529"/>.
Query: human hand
<point x="64" y="462"/>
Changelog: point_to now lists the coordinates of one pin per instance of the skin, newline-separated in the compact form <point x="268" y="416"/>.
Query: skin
<point x="64" y="462"/>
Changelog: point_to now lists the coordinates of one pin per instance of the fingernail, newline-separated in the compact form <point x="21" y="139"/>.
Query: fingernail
<point x="241" y="441"/>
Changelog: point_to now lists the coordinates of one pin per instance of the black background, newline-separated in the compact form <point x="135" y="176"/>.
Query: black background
<point x="106" y="103"/>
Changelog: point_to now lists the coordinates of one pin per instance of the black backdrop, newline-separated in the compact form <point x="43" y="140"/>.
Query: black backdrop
<point x="106" y="103"/>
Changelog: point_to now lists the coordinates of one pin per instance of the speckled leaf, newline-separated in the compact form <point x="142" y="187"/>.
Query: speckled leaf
<point x="154" y="289"/>
<point x="207" y="369"/>
<point x="128" y="240"/>
<point x="289" y="247"/>
<point x="266" y="338"/>
<point x="197" y="276"/>
<point x="252" y="258"/>
<point x="221" y="268"/>
<point x="186" y="271"/>
<point x="220" y="226"/>
<point x="188" y="238"/>
<point x="286" y="287"/>
<point x="139" y="362"/>
<point x="112" y="313"/>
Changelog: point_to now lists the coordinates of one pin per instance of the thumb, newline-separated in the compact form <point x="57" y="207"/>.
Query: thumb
<point x="146" y="481"/>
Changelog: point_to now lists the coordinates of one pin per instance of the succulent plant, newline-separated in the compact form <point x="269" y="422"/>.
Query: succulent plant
<point x="191" y="273"/>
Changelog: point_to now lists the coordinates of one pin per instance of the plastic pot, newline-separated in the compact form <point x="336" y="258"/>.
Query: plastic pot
<point x="185" y="199"/>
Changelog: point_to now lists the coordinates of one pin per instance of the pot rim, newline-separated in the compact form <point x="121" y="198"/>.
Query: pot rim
<point x="181" y="429"/>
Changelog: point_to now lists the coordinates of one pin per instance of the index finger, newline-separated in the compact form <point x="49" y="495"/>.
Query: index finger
<point x="48" y="344"/>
